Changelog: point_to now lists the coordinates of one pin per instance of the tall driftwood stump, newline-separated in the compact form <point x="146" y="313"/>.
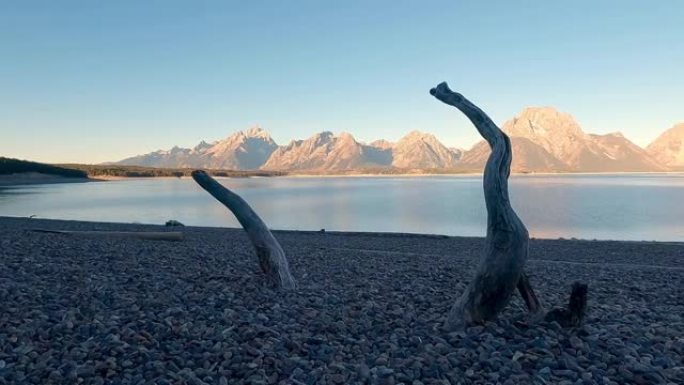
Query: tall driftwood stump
<point x="272" y="259"/>
<point x="507" y="239"/>
<point x="500" y="270"/>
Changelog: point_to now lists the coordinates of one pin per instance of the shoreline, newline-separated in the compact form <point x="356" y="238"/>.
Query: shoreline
<point x="418" y="175"/>
<point x="466" y="174"/>
<point x="31" y="178"/>
<point x="369" y="307"/>
<point x="11" y="180"/>
<point x="339" y="233"/>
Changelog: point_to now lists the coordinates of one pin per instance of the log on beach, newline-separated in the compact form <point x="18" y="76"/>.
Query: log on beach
<point x="272" y="258"/>
<point x="151" y="235"/>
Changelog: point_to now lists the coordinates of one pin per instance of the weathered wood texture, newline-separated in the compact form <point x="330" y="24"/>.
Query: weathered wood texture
<point x="528" y="295"/>
<point x="150" y="235"/>
<point x="506" y="248"/>
<point x="272" y="259"/>
<point x="573" y="315"/>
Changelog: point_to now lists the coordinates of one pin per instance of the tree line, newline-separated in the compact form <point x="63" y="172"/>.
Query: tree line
<point x="71" y="170"/>
<point x="16" y="166"/>
<point x="151" y="172"/>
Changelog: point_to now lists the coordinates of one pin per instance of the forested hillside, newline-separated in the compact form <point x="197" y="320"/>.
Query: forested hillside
<point x="16" y="166"/>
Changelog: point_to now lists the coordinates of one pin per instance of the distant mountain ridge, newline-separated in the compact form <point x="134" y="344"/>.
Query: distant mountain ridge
<point x="423" y="151"/>
<point x="243" y="150"/>
<point x="543" y="140"/>
<point x="325" y="151"/>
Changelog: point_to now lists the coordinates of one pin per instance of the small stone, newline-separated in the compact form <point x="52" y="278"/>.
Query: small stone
<point x="85" y="371"/>
<point x="384" y="372"/>
<point x="518" y="355"/>
<point x="415" y="341"/>
<point x="441" y="348"/>
<point x="625" y="373"/>
<point x="363" y="371"/>
<point x="315" y="340"/>
<point x="386" y="375"/>
<point x="55" y="376"/>
<point x="576" y="343"/>
<point x="540" y="343"/>
<point x="556" y="326"/>
<point x="650" y="378"/>
<point x="565" y="373"/>
<point x="661" y="362"/>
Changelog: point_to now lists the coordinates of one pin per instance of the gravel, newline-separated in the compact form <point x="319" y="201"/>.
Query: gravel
<point x="78" y="310"/>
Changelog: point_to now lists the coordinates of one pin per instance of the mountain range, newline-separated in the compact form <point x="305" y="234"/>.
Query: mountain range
<point x="543" y="140"/>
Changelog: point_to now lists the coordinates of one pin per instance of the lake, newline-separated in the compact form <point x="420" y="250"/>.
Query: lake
<point x="620" y="207"/>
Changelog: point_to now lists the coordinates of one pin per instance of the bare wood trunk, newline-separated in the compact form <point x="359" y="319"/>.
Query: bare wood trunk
<point x="506" y="244"/>
<point x="271" y="256"/>
<point x="573" y="315"/>
<point x="528" y="295"/>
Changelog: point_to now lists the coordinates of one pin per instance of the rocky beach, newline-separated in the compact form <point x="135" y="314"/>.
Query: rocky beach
<point x="368" y="310"/>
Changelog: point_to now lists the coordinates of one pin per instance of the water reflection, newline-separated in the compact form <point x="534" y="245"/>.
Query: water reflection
<point x="637" y="207"/>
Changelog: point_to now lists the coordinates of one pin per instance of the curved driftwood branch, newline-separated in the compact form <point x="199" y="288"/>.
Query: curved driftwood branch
<point x="573" y="315"/>
<point x="271" y="256"/>
<point x="507" y="239"/>
<point x="528" y="295"/>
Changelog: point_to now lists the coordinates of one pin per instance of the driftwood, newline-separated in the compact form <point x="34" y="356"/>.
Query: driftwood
<point x="574" y="314"/>
<point x="568" y="317"/>
<point x="528" y="295"/>
<point x="506" y="246"/>
<point x="507" y="239"/>
<point x="271" y="256"/>
<point x="151" y="235"/>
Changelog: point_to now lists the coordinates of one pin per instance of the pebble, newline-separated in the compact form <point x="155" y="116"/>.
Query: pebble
<point x="576" y="342"/>
<point x="518" y="355"/>
<point x="363" y="372"/>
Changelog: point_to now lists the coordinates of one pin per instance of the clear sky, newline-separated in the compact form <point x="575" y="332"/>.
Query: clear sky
<point x="93" y="81"/>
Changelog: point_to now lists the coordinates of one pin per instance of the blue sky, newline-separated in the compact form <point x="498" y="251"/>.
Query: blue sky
<point x="92" y="81"/>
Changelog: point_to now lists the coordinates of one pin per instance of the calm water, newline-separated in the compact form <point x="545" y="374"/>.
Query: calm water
<point x="625" y="207"/>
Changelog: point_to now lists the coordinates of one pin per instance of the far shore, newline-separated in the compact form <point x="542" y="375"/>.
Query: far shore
<point x="38" y="178"/>
<point x="32" y="178"/>
<point x="425" y="174"/>
<point x="402" y="175"/>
